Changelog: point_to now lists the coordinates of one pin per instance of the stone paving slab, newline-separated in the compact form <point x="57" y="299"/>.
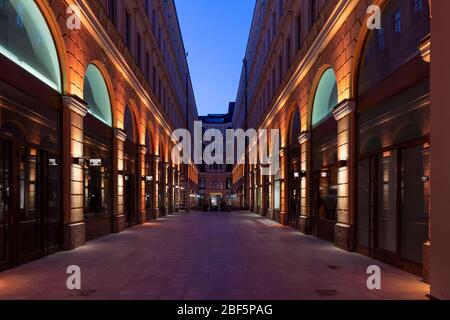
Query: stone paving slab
<point x="208" y="256"/>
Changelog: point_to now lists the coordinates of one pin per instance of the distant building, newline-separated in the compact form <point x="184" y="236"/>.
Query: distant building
<point x="215" y="185"/>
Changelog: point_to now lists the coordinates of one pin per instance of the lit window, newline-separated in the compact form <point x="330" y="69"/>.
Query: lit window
<point x="418" y="6"/>
<point x="397" y="22"/>
<point x="96" y="95"/>
<point x="26" y="40"/>
<point x="380" y="40"/>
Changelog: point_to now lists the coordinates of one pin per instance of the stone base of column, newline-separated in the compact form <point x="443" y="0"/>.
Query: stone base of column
<point x="343" y="236"/>
<point x="304" y="224"/>
<point x="264" y="212"/>
<point x="143" y="217"/>
<point x="276" y="215"/>
<point x="74" y="235"/>
<point x="269" y="213"/>
<point x="284" y="219"/>
<point x="426" y="261"/>
<point x="119" y="223"/>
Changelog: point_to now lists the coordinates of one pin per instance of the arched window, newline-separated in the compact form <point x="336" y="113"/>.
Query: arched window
<point x="148" y="142"/>
<point x="26" y="40"/>
<point x="295" y="128"/>
<point x="326" y="98"/>
<point x="96" y="95"/>
<point x="129" y="125"/>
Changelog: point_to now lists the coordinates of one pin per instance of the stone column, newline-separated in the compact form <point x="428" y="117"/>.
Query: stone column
<point x="166" y="188"/>
<point x="344" y="229"/>
<point x="141" y="184"/>
<point x="156" y="185"/>
<point x="74" y="111"/>
<point x="252" y="189"/>
<point x="170" y="193"/>
<point x="176" y="190"/>
<point x="305" y="182"/>
<point x="119" y="181"/>
<point x="283" y="187"/>
<point x="265" y="194"/>
<point x="270" y="196"/>
<point x="425" y="50"/>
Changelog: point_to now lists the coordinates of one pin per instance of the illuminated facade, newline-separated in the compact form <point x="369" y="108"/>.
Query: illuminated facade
<point x="87" y="112"/>
<point x="353" y="107"/>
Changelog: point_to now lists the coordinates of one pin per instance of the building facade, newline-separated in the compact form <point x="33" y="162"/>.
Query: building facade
<point x="353" y="107"/>
<point x="90" y="92"/>
<point x="215" y="187"/>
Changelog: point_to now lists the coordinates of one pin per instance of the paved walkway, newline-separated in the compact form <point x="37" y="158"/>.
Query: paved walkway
<point x="208" y="256"/>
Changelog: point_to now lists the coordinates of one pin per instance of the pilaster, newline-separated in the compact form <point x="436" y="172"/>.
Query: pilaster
<point x="74" y="112"/>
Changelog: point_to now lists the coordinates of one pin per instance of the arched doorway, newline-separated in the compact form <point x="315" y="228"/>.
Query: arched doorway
<point x="324" y="157"/>
<point x="97" y="150"/>
<point x="30" y="135"/>
<point x="393" y="139"/>
<point x="130" y="169"/>
<point x="294" y="170"/>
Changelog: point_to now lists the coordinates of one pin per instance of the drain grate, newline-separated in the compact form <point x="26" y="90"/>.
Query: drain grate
<point x="327" y="293"/>
<point x="83" y="293"/>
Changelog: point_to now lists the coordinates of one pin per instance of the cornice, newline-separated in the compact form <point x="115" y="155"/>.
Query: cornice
<point x="76" y="105"/>
<point x="304" y="137"/>
<point x="120" y="134"/>
<point x="343" y="109"/>
<point x="425" y="49"/>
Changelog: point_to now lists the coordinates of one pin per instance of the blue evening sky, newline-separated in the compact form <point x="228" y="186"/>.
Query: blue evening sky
<point x="215" y="34"/>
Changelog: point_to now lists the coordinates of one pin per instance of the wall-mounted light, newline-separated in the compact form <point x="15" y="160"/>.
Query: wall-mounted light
<point x="52" y="163"/>
<point x="425" y="179"/>
<point x="95" y="162"/>
<point x="147" y="178"/>
<point x="325" y="174"/>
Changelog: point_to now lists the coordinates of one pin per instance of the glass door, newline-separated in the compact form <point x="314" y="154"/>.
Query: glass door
<point x="31" y="220"/>
<point x="130" y="203"/>
<point x="51" y="200"/>
<point x="393" y="209"/>
<point x="414" y="210"/>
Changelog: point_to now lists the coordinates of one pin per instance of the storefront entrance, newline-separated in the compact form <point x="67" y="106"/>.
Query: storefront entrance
<point x="30" y="205"/>
<point x="392" y="211"/>
<point x="325" y="203"/>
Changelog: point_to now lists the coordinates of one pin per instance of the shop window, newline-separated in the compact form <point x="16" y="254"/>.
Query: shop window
<point x="26" y="40"/>
<point x="96" y="191"/>
<point x="97" y="96"/>
<point x="276" y="194"/>
<point x="326" y="98"/>
<point x="129" y="125"/>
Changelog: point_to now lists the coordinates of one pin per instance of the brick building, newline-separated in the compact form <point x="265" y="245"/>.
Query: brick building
<point x="87" y="112"/>
<point x="353" y="107"/>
